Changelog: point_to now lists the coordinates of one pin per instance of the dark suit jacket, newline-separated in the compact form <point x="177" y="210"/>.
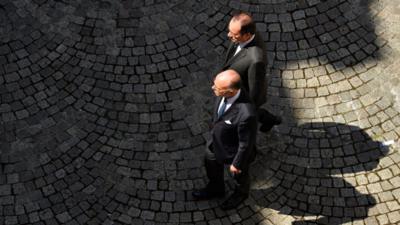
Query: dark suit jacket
<point x="250" y="64"/>
<point x="233" y="142"/>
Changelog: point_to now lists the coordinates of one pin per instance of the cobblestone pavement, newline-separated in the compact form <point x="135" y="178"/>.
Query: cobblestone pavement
<point x="104" y="110"/>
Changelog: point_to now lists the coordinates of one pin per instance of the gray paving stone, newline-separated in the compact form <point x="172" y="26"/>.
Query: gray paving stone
<point x="63" y="217"/>
<point x="394" y="217"/>
<point x="132" y="71"/>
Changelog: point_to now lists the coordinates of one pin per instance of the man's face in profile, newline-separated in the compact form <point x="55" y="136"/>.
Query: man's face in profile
<point x="234" y="34"/>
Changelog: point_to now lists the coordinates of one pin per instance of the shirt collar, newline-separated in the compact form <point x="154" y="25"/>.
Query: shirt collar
<point x="246" y="42"/>
<point x="232" y="99"/>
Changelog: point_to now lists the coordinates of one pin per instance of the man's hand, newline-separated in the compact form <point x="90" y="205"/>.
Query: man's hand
<point x="234" y="170"/>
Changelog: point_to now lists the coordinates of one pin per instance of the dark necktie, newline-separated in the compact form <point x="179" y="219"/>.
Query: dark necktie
<point x="233" y="50"/>
<point x="221" y="109"/>
<point x="236" y="52"/>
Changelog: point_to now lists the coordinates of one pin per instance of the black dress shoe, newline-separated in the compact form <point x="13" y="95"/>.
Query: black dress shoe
<point x="233" y="201"/>
<point x="204" y="194"/>
<point x="267" y="126"/>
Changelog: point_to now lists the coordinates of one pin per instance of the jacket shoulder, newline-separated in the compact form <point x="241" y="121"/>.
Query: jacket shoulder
<point x="247" y="109"/>
<point x="256" y="53"/>
<point x="257" y="49"/>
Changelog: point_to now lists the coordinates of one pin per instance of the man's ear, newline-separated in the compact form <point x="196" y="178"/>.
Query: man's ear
<point x="247" y="36"/>
<point x="231" y="91"/>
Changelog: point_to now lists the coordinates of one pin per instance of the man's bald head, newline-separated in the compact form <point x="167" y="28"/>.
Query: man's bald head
<point x="229" y="77"/>
<point x="227" y="83"/>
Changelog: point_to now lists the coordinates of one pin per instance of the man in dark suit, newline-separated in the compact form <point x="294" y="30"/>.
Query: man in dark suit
<point x="233" y="138"/>
<point x="246" y="55"/>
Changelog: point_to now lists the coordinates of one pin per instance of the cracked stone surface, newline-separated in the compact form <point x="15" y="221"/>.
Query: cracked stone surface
<point x="105" y="109"/>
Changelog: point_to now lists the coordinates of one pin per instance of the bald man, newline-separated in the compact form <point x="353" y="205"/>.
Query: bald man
<point x="233" y="139"/>
<point x="246" y="55"/>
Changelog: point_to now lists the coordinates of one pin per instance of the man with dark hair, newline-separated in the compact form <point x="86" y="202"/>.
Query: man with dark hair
<point x="246" y="55"/>
<point x="233" y="138"/>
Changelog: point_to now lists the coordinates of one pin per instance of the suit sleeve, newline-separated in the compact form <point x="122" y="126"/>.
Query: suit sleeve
<point x="257" y="85"/>
<point x="247" y="130"/>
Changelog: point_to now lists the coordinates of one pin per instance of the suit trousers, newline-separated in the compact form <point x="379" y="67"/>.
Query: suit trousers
<point x="215" y="174"/>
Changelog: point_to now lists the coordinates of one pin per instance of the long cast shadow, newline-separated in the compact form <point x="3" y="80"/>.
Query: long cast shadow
<point x="328" y="43"/>
<point x="332" y="41"/>
<point x="310" y="175"/>
<point x="312" y="178"/>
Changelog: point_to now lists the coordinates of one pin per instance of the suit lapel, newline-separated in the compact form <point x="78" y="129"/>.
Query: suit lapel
<point x="229" y="52"/>
<point x="216" y="105"/>
<point x="231" y="109"/>
<point x="236" y="57"/>
<point x="230" y="58"/>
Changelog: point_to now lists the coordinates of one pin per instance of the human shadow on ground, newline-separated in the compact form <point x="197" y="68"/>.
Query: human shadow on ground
<point x="313" y="177"/>
<point x="329" y="44"/>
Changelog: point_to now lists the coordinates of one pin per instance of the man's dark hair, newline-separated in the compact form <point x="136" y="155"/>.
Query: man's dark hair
<point x="237" y="84"/>
<point x="248" y="25"/>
